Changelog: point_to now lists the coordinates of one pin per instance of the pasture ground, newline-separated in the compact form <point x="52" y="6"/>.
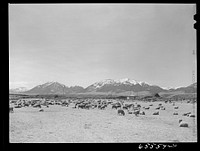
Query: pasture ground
<point x="59" y="124"/>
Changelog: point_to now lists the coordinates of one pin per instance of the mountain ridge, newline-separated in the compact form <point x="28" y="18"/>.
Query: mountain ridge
<point x="105" y="86"/>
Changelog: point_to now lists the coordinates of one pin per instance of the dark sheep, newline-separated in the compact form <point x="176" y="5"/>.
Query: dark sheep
<point x="183" y="123"/>
<point x="121" y="112"/>
<point x="125" y="107"/>
<point x="156" y="113"/>
<point x="157" y="108"/>
<point x="136" y="112"/>
<point x="191" y="115"/>
<point x="41" y="110"/>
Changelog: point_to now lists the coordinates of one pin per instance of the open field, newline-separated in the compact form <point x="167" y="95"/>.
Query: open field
<point x="66" y="124"/>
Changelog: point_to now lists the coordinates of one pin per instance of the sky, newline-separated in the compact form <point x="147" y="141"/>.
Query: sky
<point x="80" y="44"/>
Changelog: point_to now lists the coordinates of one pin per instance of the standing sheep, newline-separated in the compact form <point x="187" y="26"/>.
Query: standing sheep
<point x="121" y="112"/>
<point x="156" y="113"/>
<point x="182" y="123"/>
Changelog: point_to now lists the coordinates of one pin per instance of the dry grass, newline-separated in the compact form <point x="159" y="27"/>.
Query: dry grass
<point x="65" y="124"/>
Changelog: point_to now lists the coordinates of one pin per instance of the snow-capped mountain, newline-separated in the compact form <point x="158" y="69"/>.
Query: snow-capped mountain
<point x="107" y="86"/>
<point x="121" y="85"/>
<point x="125" y="81"/>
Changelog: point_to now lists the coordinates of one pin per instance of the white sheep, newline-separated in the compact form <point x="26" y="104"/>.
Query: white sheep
<point x="182" y="123"/>
<point x="142" y="113"/>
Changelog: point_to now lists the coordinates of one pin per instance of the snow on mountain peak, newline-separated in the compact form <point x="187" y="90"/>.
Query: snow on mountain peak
<point x="126" y="81"/>
<point x="101" y="83"/>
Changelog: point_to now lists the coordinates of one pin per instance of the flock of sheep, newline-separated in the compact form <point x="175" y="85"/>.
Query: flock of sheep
<point x="120" y="105"/>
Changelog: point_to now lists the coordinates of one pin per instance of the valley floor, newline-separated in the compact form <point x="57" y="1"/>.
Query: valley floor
<point x="58" y="124"/>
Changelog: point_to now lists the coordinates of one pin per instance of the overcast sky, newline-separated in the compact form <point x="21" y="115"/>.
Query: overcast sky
<point x="79" y="44"/>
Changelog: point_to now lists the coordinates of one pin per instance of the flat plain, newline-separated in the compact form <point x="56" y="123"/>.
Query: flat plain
<point x="61" y="124"/>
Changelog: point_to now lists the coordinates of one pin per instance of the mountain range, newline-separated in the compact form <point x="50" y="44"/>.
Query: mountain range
<point x="109" y="86"/>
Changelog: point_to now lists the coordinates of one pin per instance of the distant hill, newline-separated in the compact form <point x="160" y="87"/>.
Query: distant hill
<point x="189" y="89"/>
<point x="54" y="88"/>
<point x="122" y="87"/>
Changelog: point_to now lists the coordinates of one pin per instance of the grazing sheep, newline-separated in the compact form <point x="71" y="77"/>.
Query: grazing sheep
<point x="136" y="112"/>
<point x="186" y="114"/>
<point x="151" y="105"/>
<point x="156" y="113"/>
<point x="41" y="110"/>
<point x="129" y="112"/>
<point x="191" y="115"/>
<point x="183" y="123"/>
<point x="142" y="113"/>
<point x="125" y="107"/>
<point x="37" y="105"/>
<point x="157" y="108"/>
<point x="116" y="106"/>
<point x="176" y="107"/>
<point x="121" y="112"/>
<point x="103" y="106"/>
<point x="175" y="113"/>
<point x="146" y="108"/>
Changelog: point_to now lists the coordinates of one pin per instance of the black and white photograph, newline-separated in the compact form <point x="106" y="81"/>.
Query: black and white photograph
<point x="102" y="73"/>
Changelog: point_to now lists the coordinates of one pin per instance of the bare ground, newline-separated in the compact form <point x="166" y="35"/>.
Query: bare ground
<point x="65" y="124"/>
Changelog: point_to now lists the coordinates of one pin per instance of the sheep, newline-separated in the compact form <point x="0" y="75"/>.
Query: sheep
<point x="157" y="108"/>
<point x="129" y="112"/>
<point x="121" y="112"/>
<point x="191" y="115"/>
<point x="175" y="113"/>
<point x="163" y="108"/>
<point x="176" y="107"/>
<point x="142" y="113"/>
<point x="136" y="112"/>
<point x="125" y="107"/>
<point x="41" y="110"/>
<point x="146" y="108"/>
<point x="156" y="113"/>
<point x="182" y="123"/>
<point x="186" y="114"/>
